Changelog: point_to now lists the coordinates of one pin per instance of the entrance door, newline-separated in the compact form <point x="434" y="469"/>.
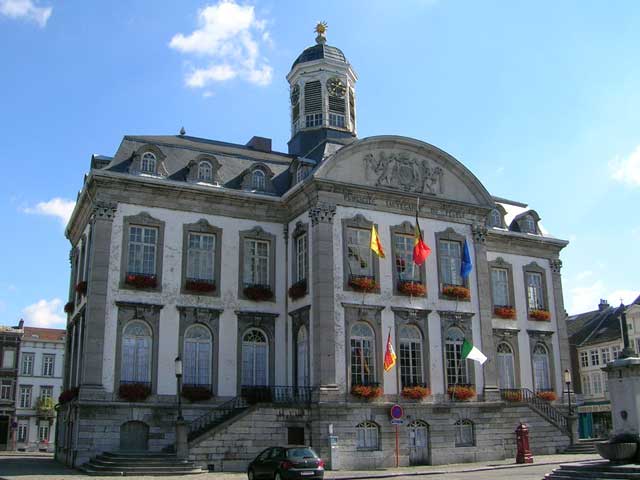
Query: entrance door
<point x="134" y="436"/>
<point x="419" y="453"/>
<point x="295" y="435"/>
<point x="4" y="433"/>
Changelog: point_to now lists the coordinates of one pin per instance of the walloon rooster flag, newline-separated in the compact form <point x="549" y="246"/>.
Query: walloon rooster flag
<point x="469" y="352"/>
<point x="389" y="355"/>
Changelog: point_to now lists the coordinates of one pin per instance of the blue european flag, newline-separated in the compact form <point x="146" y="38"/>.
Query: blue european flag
<point x="465" y="265"/>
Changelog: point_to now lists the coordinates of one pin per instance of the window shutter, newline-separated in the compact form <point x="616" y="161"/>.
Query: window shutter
<point x="336" y="104"/>
<point x="312" y="97"/>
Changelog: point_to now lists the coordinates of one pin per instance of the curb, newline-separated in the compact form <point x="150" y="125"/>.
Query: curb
<point x="445" y="472"/>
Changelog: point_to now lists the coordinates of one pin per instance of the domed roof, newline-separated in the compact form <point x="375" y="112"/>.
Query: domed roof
<point x="318" y="52"/>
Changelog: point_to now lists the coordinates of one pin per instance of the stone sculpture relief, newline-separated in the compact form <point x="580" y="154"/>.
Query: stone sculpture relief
<point x="400" y="170"/>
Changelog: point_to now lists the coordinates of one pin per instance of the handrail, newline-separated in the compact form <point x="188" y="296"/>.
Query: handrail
<point x="541" y="406"/>
<point x="217" y="415"/>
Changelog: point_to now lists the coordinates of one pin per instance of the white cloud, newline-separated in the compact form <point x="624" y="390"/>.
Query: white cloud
<point x="583" y="275"/>
<point x="228" y="42"/>
<point x="45" y="313"/>
<point x="627" y="170"/>
<point x="586" y="298"/>
<point x="56" y="207"/>
<point x="26" y="10"/>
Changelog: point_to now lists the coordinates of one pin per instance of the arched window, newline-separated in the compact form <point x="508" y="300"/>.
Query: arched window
<point x="301" y="173"/>
<point x="410" y="356"/>
<point x="205" y="171"/>
<point x="255" y="360"/>
<point x="464" y="433"/>
<point x="148" y="163"/>
<point x="136" y="353"/>
<point x="302" y="357"/>
<point x="528" y="224"/>
<point x="506" y="368"/>
<point x="258" y="180"/>
<point x="456" y="366"/>
<point x="495" y="218"/>
<point x="363" y="355"/>
<point x="197" y="356"/>
<point x="367" y="436"/>
<point x="541" y="376"/>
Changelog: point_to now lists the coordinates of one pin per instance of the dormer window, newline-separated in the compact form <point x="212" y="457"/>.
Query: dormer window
<point x="205" y="172"/>
<point x="528" y="224"/>
<point x="495" y="218"/>
<point x="148" y="163"/>
<point x="258" y="180"/>
<point x="301" y="174"/>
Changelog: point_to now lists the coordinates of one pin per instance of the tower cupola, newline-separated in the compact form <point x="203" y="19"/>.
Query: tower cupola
<point x="322" y="93"/>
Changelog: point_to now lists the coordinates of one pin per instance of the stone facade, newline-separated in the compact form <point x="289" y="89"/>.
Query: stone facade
<point x="284" y="234"/>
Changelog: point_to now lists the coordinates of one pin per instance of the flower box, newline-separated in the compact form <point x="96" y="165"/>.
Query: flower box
<point x="363" y="284"/>
<point x="416" y="392"/>
<point x="45" y="407"/>
<point x="457" y="292"/>
<point x="298" y="289"/>
<point x="461" y="392"/>
<point x="134" y="392"/>
<point x="258" y="293"/>
<point x="69" y="307"/>
<point x="547" y="395"/>
<point x="413" y="289"/>
<point x="512" y="396"/>
<point x="505" y="312"/>
<point x="203" y="286"/>
<point x="68" y="395"/>
<point x="196" y="393"/>
<point x="537" y="314"/>
<point x="81" y="288"/>
<point x="367" y="392"/>
<point x="140" y="280"/>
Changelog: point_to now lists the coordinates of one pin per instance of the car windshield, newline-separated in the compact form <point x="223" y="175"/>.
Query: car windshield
<point x="301" y="453"/>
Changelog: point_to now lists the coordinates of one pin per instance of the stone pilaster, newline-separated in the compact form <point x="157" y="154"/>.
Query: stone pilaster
<point x="483" y="278"/>
<point x="561" y="316"/>
<point x="323" y="324"/>
<point x="92" y="358"/>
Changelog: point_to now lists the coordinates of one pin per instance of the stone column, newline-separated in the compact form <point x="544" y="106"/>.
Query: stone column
<point x="324" y="331"/>
<point x="483" y="278"/>
<point x="97" y="285"/>
<point x="561" y="317"/>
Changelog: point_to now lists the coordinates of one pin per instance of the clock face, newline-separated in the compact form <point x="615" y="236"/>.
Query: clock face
<point x="336" y="87"/>
<point x="295" y="94"/>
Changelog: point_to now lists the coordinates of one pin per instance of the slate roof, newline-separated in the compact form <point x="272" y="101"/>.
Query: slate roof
<point x="318" y="52"/>
<point x="47" y="334"/>
<point x="594" y="327"/>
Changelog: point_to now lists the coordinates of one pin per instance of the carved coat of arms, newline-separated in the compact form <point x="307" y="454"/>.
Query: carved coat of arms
<point x="400" y="170"/>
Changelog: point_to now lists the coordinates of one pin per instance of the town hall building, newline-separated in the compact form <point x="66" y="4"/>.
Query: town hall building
<point x="254" y="268"/>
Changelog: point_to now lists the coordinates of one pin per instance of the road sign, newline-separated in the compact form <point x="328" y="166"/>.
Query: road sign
<point x="397" y="421"/>
<point x="397" y="411"/>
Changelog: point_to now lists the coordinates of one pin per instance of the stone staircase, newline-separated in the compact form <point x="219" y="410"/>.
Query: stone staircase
<point x="543" y="408"/>
<point x="596" y="470"/>
<point x="582" y="446"/>
<point x="216" y="417"/>
<point x="132" y="464"/>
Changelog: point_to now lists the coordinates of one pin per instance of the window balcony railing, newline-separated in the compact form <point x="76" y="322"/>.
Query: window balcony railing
<point x="277" y="394"/>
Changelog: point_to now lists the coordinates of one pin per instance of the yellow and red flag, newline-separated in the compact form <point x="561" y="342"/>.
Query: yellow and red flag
<point x="376" y="244"/>
<point x="389" y="355"/>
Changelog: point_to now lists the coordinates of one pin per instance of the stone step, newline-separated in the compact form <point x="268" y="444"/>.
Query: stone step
<point x="122" y="473"/>
<point x="139" y="463"/>
<point x="595" y="470"/>
<point x="107" y="462"/>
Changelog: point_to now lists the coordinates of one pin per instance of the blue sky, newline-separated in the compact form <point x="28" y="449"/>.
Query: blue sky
<point x="539" y="99"/>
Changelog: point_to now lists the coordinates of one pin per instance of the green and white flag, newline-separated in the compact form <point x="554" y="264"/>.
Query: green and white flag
<point x="469" y="352"/>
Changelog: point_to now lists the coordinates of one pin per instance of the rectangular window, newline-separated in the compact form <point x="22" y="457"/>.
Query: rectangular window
<point x="256" y="262"/>
<point x="301" y="257"/>
<point x="6" y="390"/>
<point x="606" y="356"/>
<point x="586" y="385"/>
<point x="336" y="120"/>
<point x="9" y="358"/>
<point x="637" y="345"/>
<point x="406" y="269"/>
<point x="27" y="364"/>
<point x="142" y="250"/>
<point x="615" y="351"/>
<point x="23" y="431"/>
<point x="534" y="290"/>
<point x="464" y="433"/>
<point x="605" y="384"/>
<point x="200" y="256"/>
<point x="450" y="258"/>
<point x="362" y="366"/>
<point x="48" y="365"/>
<point x="367" y="437"/>
<point x="597" y="384"/>
<point x="359" y="252"/>
<point x="456" y="366"/>
<point x="595" y="358"/>
<point x="584" y="359"/>
<point x="410" y="363"/>
<point x="43" y="432"/>
<point x="500" y="287"/>
<point x="313" y="120"/>
<point x="25" y="396"/>
<point x="46" y="391"/>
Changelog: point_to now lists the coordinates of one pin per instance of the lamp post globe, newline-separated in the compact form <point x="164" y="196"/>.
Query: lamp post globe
<point x="178" y="365"/>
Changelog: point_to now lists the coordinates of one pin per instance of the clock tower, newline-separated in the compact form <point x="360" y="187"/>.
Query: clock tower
<point x="322" y="94"/>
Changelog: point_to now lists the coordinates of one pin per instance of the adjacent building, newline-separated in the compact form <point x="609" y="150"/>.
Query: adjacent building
<point x="9" y="351"/>
<point x="254" y="267"/>
<point x="39" y="385"/>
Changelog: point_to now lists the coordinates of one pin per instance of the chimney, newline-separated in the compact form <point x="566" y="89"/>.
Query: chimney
<point x="603" y="305"/>
<point x="260" y="144"/>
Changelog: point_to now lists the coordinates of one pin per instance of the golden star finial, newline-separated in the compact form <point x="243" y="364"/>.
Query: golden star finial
<point x="321" y="28"/>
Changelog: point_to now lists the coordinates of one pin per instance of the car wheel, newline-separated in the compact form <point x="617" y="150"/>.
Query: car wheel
<point x="251" y="475"/>
<point x="277" y="476"/>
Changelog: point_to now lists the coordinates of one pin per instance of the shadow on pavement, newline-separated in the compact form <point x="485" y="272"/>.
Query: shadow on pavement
<point x="36" y="466"/>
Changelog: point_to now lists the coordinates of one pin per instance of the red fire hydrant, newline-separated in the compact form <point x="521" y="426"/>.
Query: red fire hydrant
<point x="523" y="455"/>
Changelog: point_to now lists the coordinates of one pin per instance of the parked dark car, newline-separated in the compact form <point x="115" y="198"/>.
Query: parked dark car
<point x="282" y="463"/>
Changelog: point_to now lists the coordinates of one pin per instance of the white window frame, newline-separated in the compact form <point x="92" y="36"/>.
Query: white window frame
<point x="205" y="171"/>
<point x="28" y="362"/>
<point x="302" y="258"/>
<point x="500" y="287"/>
<point x="337" y="120"/>
<point x="406" y="269"/>
<point x="495" y="218"/>
<point x="255" y="345"/>
<point x="363" y="354"/>
<point x="257" y="264"/>
<point x="44" y="432"/>
<point x="535" y="291"/>
<point x="25" y="396"/>
<point x="528" y="224"/>
<point x="506" y="366"/>
<point x="367" y="436"/>
<point x="46" y="391"/>
<point x="541" y="354"/>
<point x="450" y="258"/>
<point x="6" y="389"/>
<point x="594" y="357"/>
<point x="148" y="163"/>
<point x="48" y="365"/>
<point x="22" y="434"/>
<point x="606" y="355"/>
<point x="258" y="180"/>
<point x="584" y="359"/>
<point x="132" y="369"/>
<point x="302" y="357"/>
<point x="201" y="254"/>
<point x="313" y="120"/>
<point x="597" y="383"/>
<point x="410" y="356"/>
<point x="142" y="250"/>
<point x="9" y="358"/>
<point x="197" y="370"/>
<point x="456" y="368"/>
<point x="464" y="433"/>
<point x="359" y="254"/>
<point x="301" y="173"/>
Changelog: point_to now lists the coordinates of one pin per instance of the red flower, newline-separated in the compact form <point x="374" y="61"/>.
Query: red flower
<point x="81" y="288"/>
<point x="415" y="289"/>
<point x="200" y="285"/>
<point x="366" y="391"/>
<point x="547" y="395"/>
<point x="134" y="392"/>
<point x="363" y="284"/>
<point x="538" y="314"/>
<point x="456" y="291"/>
<point x="461" y="392"/>
<point x="298" y="289"/>
<point x="505" y="312"/>
<point x="416" y="393"/>
<point x="68" y="395"/>
<point x="196" y="393"/>
<point x="141" y="280"/>
<point x="258" y="293"/>
<point x="68" y="307"/>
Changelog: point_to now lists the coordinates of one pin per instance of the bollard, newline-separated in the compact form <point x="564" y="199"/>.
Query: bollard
<point x="523" y="454"/>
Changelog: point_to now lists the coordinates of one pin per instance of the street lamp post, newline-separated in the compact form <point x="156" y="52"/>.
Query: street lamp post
<point x="567" y="381"/>
<point x="178" y="364"/>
